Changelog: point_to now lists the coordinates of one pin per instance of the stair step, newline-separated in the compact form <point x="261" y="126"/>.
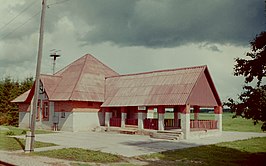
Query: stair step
<point x="167" y="135"/>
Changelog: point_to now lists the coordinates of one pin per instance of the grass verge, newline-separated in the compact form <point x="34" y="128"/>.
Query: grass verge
<point x="83" y="155"/>
<point x="229" y="153"/>
<point x="12" y="143"/>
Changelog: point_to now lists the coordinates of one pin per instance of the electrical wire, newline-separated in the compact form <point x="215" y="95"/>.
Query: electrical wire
<point x="56" y="3"/>
<point x="21" y="25"/>
<point x="14" y="18"/>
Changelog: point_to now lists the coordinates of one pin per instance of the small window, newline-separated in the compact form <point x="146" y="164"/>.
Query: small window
<point x="38" y="110"/>
<point x="45" y="110"/>
<point x="63" y="114"/>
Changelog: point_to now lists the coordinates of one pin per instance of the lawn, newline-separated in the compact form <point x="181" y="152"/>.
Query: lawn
<point x="11" y="143"/>
<point x="78" y="154"/>
<point x="229" y="123"/>
<point x="245" y="152"/>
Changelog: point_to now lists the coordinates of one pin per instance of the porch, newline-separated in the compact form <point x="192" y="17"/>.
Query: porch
<point x="182" y="118"/>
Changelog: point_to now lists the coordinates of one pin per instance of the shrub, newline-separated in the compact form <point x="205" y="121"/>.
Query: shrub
<point x="10" y="133"/>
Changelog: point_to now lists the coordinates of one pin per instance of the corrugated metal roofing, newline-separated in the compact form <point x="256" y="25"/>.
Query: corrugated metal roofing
<point x="82" y="80"/>
<point x="166" y="87"/>
<point x="87" y="79"/>
<point x="21" y="98"/>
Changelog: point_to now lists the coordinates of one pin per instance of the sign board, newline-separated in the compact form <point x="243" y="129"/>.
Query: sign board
<point x="142" y="108"/>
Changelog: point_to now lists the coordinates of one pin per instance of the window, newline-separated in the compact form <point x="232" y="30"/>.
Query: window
<point x="45" y="110"/>
<point x="38" y="110"/>
<point x="63" y="114"/>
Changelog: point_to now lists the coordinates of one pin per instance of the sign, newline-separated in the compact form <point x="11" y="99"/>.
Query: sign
<point x="142" y="108"/>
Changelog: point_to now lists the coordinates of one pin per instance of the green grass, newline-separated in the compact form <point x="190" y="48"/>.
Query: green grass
<point x="230" y="153"/>
<point x="229" y="123"/>
<point x="239" y="124"/>
<point x="11" y="143"/>
<point x="83" y="155"/>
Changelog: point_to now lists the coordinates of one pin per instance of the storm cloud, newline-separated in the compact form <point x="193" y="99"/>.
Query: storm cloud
<point x="169" y="23"/>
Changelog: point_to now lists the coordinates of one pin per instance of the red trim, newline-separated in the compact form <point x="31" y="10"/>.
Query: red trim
<point x="218" y="109"/>
<point x="184" y="109"/>
<point x="45" y="110"/>
<point x="123" y="110"/>
<point x="38" y="110"/>
<point x="107" y="109"/>
<point x="161" y="110"/>
<point x="196" y="109"/>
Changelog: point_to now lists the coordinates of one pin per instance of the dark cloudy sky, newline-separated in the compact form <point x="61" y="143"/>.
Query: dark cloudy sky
<point x="132" y="35"/>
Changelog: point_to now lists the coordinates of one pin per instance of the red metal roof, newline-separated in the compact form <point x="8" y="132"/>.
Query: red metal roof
<point x="82" y="80"/>
<point x="87" y="79"/>
<point x="22" y="98"/>
<point x="165" y="87"/>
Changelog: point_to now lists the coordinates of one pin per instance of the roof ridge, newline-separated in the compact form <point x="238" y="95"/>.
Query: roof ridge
<point x="82" y="69"/>
<point x="157" y="71"/>
<point x="69" y="64"/>
<point x="50" y="75"/>
<point x="102" y="63"/>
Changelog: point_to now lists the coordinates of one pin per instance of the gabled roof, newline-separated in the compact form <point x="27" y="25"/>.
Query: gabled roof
<point x="166" y="87"/>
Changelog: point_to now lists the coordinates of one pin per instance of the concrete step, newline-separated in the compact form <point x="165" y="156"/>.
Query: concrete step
<point x="167" y="135"/>
<point x="131" y="126"/>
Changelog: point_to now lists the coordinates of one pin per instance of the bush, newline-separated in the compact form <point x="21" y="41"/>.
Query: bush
<point x="10" y="133"/>
<point x="24" y="132"/>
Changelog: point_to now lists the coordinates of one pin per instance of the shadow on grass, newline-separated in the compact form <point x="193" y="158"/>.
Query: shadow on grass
<point x="205" y="155"/>
<point x="20" y="143"/>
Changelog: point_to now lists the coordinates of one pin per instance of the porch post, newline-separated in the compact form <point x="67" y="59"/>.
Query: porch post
<point x="176" y="116"/>
<point x="140" y="119"/>
<point x="161" y="112"/>
<point x="108" y="115"/>
<point x="218" y="111"/>
<point x="123" y="116"/>
<point x="185" y="120"/>
<point x="196" y="112"/>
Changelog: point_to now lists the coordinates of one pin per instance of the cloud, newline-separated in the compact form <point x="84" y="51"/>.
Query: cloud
<point x="211" y="47"/>
<point x="171" y="23"/>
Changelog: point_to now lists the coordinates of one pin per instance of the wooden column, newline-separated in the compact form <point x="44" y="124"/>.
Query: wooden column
<point x="140" y="119"/>
<point x="196" y="112"/>
<point x="108" y="115"/>
<point x="161" y="112"/>
<point x="123" y="116"/>
<point x="176" y="116"/>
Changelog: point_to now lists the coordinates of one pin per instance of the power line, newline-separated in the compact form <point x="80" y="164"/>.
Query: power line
<point x="21" y="25"/>
<point x="25" y="9"/>
<point x="56" y="3"/>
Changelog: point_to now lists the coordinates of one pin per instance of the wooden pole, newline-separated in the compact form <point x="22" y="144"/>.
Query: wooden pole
<point x="31" y="135"/>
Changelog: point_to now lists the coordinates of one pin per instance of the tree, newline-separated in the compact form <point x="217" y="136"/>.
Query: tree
<point x="252" y="102"/>
<point x="9" y="90"/>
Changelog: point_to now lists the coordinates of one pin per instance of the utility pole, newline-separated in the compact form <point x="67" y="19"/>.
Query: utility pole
<point x="30" y="137"/>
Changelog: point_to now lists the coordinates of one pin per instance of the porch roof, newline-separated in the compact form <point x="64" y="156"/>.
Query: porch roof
<point x="181" y="86"/>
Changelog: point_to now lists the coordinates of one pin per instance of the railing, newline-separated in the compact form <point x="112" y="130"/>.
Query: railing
<point x="203" y="124"/>
<point x="151" y="124"/>
<point x="115" y="122"/>
<point x="132" y="121"/>
<point x="172" y="123"/>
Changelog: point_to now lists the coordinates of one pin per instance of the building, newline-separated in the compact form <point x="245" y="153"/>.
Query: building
<point x="87" y="94"/>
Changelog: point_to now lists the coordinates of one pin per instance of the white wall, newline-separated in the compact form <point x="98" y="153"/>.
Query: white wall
<point x="66" y="124"/>
<point x="24" y="119"/>
<point x="85" y="121"/>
